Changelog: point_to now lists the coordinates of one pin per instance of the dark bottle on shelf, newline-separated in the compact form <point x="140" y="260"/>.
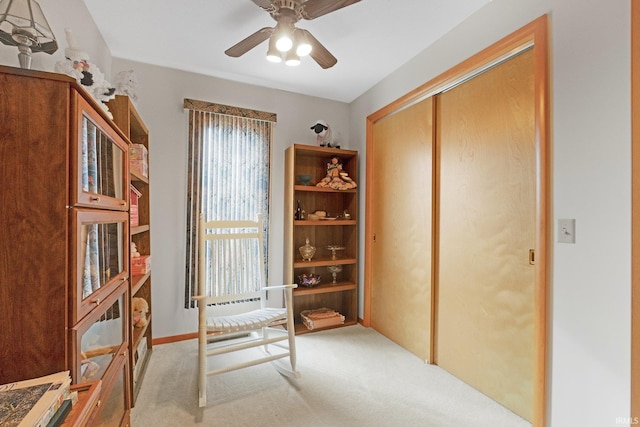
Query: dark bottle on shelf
<point x="298" y="215"/>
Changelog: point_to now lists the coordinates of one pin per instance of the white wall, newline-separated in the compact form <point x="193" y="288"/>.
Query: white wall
<point x="590" y="110"/>
<point x="590" y="288"/>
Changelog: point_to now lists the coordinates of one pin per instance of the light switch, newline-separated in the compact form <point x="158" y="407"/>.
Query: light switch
<point x="566" y="230"/>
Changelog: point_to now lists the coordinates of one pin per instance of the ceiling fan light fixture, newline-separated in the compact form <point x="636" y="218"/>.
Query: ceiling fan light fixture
<point x="284" y="38"/>
<point x="292" y="59"/>
<point x="303" y="47"/>
<point x="275" y="58"/>
<point x="284" y="43"/>
<point x="273" y="54"/>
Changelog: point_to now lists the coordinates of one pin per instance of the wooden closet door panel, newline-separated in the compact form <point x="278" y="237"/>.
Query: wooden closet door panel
<point x="401" y="216"/>
<point x="486" y="229"/>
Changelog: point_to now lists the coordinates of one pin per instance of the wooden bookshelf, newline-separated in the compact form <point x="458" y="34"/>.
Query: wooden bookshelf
<point x="337" y="230"/>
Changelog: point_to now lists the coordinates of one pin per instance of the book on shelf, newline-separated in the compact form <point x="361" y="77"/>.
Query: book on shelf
<point x="321" y="318"/>
<point x="60" y="415"/>
<point x="33" y="402"/>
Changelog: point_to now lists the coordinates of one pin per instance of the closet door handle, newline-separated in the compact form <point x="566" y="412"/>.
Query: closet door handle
<point x="532" y="256"/>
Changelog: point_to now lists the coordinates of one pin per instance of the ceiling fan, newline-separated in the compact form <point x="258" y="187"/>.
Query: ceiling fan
<point x="285" y="39"/>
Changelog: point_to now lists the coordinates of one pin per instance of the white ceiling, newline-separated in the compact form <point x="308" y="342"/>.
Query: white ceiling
<point x="370" y="39"/>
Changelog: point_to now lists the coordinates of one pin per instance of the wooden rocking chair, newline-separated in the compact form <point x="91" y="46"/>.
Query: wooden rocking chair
<point x="231" y="265"/>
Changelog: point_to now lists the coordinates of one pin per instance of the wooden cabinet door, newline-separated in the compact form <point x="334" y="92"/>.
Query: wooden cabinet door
<point x="99" y="256"/>
<point x="485" y="321"/>
<point x="401" y="213"/>
<point x="99" y="338"/>
<point x="100" y="167"/>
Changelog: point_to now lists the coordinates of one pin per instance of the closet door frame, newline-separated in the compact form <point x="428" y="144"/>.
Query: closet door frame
<point x="532" y="35"/>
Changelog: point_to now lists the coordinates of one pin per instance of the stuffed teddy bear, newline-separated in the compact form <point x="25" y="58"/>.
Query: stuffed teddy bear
<point x="126" y="83"/>
<point x="139" y="310"/>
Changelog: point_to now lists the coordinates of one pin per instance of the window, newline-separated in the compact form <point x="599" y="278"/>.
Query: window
<point x="228" y="173"/>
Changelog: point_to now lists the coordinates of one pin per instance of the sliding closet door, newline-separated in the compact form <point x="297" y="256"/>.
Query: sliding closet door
<point x="400" y="211"/>
<point x="487" y="205"/>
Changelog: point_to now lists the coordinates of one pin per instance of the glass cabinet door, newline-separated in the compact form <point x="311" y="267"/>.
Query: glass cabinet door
<point x="100" y="163"/>
<point x="114" y="411"/>
<point x="99" y="338"/>
<point x="101" y="255"/>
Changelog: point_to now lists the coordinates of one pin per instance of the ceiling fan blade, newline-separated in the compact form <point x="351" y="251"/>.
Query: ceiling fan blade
<point x="319" y="53"/>
<point x="249" y="43"/>
<point x="312" y="9"/>
<point x="265" y="4"/>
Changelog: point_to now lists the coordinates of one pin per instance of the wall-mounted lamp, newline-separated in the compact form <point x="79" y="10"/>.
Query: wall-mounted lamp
<point x="23" y="24"/>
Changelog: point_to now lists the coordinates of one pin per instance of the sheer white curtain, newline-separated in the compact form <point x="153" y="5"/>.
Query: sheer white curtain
<point x="228" y="173"/>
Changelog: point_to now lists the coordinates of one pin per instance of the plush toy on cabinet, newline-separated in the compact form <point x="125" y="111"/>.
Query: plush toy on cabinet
<point x="139" y="310"/>
<point x="126" y="83"/>
<point x="77" y="65"/>
<point x="324" y="136"/>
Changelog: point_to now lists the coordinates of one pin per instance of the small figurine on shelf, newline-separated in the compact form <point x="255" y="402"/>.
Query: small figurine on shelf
<point x="134" y="251"/>
<point x="336" y="177"/>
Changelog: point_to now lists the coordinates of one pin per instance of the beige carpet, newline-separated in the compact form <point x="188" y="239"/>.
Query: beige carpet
<point x="351" y="376"/>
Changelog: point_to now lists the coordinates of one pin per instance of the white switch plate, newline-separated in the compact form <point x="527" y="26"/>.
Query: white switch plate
<point x="566" y="230"/>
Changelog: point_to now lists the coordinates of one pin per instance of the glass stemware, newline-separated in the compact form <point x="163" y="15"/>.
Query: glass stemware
<point x="334" y="270"/>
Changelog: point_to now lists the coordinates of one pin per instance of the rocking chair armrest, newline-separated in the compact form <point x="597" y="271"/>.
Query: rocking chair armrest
<point x="275" y="288"/>
<point x="199" y="297"/>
